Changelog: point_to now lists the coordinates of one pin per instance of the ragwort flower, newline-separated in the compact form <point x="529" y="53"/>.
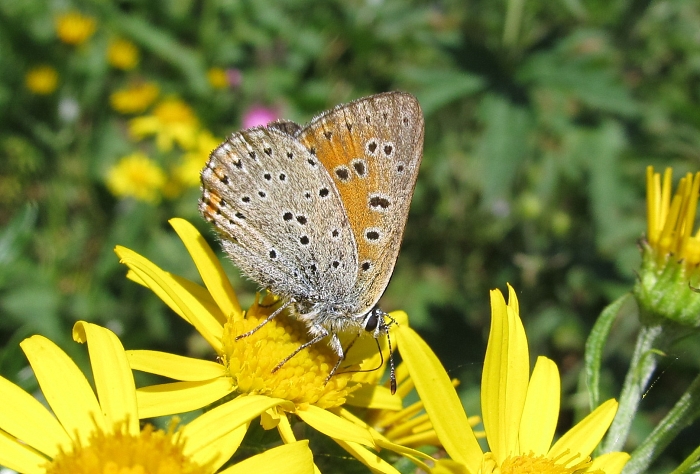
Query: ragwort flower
<point x="135" y="98"/>
<point x="172" y="121"/>
<point x="74" y="27"/>
<point x="217" y="78"/>
<point x="410" y="426"/>
<point x="122" y="54"/>
<point x="41" y="80"/>
<point x="89" y="433"/>
<point x="136" y="176"/>
<point x="520" y="411"/>
<point x="247" y="365"/>
<point x="670" y="270"/>
<point x="187" y="173"/>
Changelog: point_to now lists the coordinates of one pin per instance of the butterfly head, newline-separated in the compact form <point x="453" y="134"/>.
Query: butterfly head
<point x="376" y="323"/>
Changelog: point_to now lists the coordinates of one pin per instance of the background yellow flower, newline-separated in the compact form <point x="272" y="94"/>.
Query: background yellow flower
<point x="41" y="80"/>
<point x="217" y="78"/>
<point x="172" y="121"/>
<point x="122" y="54"/>
<point x="136" y="176"/>
<point x="74" y="27"/>
<point x="134" y="99"/>
<point x="187" y="172"/>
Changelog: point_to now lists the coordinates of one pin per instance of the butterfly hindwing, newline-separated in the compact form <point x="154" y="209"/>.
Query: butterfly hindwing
<point x="372" y="149"/>
<point x="281" y="218"/>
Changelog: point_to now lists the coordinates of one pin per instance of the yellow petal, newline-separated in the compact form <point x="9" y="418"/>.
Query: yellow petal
<point x="220" y="421"/>
<point x="440" y="399"/>
<point x="174" y="366"/>
<point x="180" y="397"/>
<point x="373" y="396"/>
<point x="492" y="388"/>
<point x="448" y="466"/>
<point x="505" y="378"/>
<point x="585" y="436"/>
<point x="381" y="441"/>
<point x="610" y="463"/>
<point x="114" y="381"/>
<point x="294" y="458"/>
<point x="169" y="289"/>
<point x="202" y="295"/>
<point x="367" y="457"/>
<point x="411" y="454"/>
<point x="285" y="430"/>
<point x="399" y="317"/>
<point x="334" y="426"/>
<point x="541" y="411"/>
<point x="220" y="450"/>
<point x="209" y="267"/>
<point x="24" y="417"/>
<point x="513" y="299"/>
<point x="20" y="457"/>
<point x="66" y="390"/>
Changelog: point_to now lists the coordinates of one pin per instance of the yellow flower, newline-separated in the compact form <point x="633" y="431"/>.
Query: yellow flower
<point x="136" y="176"/>
<point x="172" y="121"/>
<point x="41" y="80"/>
<point x="671" y="252"/>
<point x="74" y="27"/>
<point x="122" y="54"/>
<point x="134" y="99"/>
<point x="188" y="171"/>
<point x="87" y="432"/>
<point x="217" y="78"/>
<point x="670" y="224"/>
<point x="520" y="411"/>
<point x="247" y="365"/>
<point x="410" y="426"/>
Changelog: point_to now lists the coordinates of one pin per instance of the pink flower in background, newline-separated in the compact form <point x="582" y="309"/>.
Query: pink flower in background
<point x="258" y="115"/>
<point x="234" y="77"/>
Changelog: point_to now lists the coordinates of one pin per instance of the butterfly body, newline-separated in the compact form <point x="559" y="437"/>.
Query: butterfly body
<point x="316" y="213"/>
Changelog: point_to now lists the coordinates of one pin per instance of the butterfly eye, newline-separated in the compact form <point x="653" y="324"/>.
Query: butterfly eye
<point x="372" y="321"/>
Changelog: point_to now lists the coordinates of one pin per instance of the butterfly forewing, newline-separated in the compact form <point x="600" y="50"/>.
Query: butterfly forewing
<point x="372" y="149"/>
<point x="281" y="218"/>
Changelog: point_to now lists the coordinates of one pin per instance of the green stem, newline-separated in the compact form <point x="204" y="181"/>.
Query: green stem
<point x="684" y="413"/>
<point x="595" y="346"/>
<point x="689" y="463"/>
<point x="642" y="366"/>
<point x="514" y="16"/>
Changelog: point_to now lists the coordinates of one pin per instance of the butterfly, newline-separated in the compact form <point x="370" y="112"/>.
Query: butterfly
<point x="316" y="214"/>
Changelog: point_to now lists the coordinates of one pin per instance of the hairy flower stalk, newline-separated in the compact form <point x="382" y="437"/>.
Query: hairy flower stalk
<point x="668" y="301"/>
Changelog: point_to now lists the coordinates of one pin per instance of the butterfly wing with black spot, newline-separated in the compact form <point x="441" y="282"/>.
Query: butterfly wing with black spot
<point x="372" y="148"/>
<point x="281" y="219"/>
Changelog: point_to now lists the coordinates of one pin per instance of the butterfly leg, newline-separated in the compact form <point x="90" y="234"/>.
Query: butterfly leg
<point x="321" y="333"/>
<point x="267" y="320"/>
<point x="337" y="346"/>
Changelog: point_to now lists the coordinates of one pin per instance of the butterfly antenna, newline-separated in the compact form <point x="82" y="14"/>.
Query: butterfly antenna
<point x="267" y="320"/>
<point x="392" y="370"/>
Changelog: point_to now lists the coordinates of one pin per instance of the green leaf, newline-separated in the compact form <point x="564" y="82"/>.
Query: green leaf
<point x="16" y="233"/>
<point x="35" y="305"/>
<point x="437" y="88"/>
<point x="596" y="344"/>
<point x="503" y="146"/>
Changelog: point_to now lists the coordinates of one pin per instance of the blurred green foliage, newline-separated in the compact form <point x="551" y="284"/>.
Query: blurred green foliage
<point x="540" y="120"/>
